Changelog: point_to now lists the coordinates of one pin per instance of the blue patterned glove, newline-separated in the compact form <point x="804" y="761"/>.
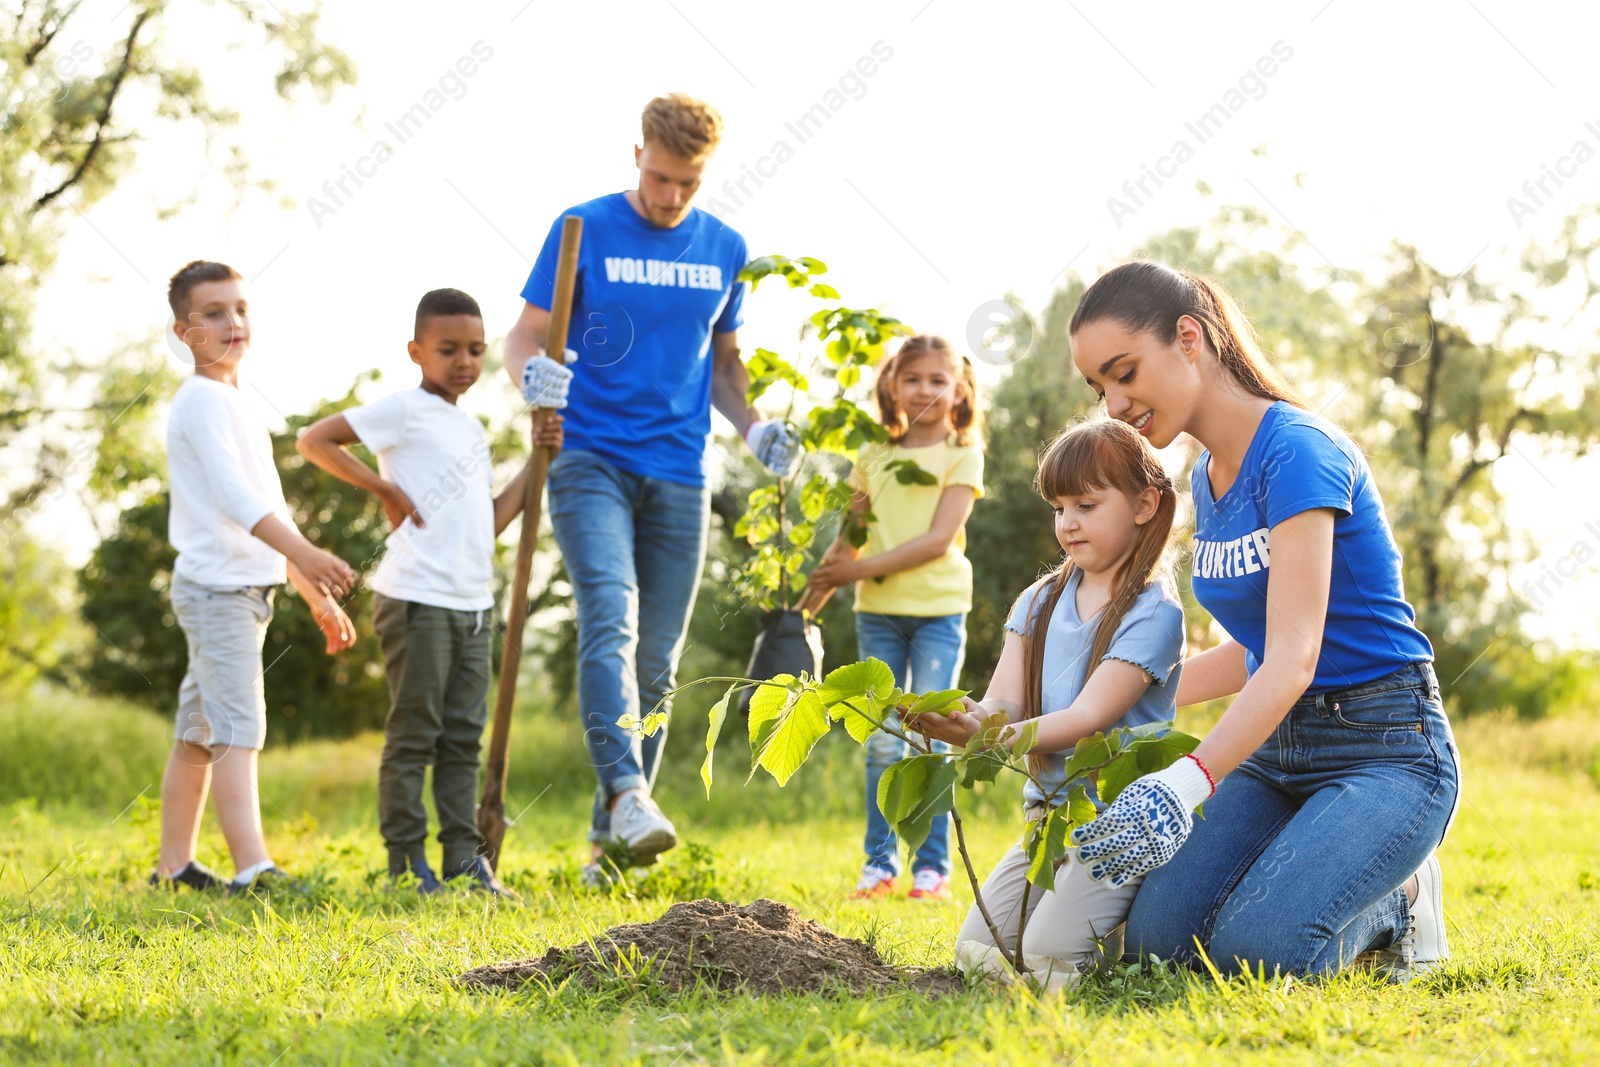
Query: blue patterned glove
<point x="776" y="444"/>
<point x="1145" y="826"/>
<point x="545" y="382"/>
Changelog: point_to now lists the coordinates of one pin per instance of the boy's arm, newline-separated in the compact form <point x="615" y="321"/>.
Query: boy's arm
<point x="330" y="617"/>
<point x="508" y="502"/>
<point x="323" y="443"/>
<point x="216" y="449"/>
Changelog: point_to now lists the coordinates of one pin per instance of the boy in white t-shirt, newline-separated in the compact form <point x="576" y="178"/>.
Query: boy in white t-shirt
<point x="236" y="543"/>
<point x="433" y="590"/>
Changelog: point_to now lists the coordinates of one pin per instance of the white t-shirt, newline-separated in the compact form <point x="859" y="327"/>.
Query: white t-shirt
<point x="439" y="455"/>
<point x="219" y="460"/>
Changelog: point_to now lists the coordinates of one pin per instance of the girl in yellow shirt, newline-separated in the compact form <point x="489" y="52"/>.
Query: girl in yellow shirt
<point x="913" y="581"/>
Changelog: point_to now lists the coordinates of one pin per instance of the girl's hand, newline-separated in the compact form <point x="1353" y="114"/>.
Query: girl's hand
<point x="953" y="728"/>
<point x="830" y="574"/>
<point x="335" y="624"/>
<point x="398" y="507"/>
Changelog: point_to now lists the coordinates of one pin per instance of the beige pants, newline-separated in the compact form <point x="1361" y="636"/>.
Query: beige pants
<point x="1069" y="930"/>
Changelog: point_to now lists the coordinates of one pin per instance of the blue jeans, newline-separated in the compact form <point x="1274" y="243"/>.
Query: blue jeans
<point x="634" y="548"/>
<point x="1301" y="859"/>
<point x="925" y="654"/>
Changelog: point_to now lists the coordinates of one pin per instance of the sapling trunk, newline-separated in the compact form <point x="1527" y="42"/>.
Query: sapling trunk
<point x="977" y="895"/>
<point x="972" y="874"/>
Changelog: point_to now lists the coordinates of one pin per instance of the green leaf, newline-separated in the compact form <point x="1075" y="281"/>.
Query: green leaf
<point x="766" y="704"/>
<point x="984" y="765"/>
<point x="1027" y="738"/>
<point x="915" y="790"/>
<point x="795" y="732"/>
<point x="1080" y="809"/>
<point x="823" y="291"/>
<point x="719" y="714"/>
<point x="1089" y="754"/>
<point x="909" y="472"/>
<point x="801" y="535"/>
<point x="1046" y="846"/>
<point x="861" y="695"/>
<point x="1118" y="775"/>
<point x="653" y="722"/>
<point x="938" y="703"/>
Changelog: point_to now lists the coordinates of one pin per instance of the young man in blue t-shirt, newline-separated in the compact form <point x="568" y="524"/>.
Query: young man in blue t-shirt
<point x="654" y="318"/>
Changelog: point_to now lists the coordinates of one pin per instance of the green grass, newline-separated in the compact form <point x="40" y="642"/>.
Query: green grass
<point x="97" y="968"/>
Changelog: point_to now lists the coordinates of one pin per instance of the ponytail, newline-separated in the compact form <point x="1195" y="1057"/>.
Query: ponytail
<point x="1149" y="298"/>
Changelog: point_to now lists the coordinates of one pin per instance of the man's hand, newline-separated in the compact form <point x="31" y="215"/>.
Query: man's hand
<point x="1145" y="826"/>
<point x="399" y="507"/>
<point x="335" y="624"/>
<point x="776" y="444"/>
<point x="545" y="382"/>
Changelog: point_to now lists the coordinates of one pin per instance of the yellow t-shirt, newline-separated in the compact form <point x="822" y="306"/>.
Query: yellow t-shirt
<point x="941" y="586"/>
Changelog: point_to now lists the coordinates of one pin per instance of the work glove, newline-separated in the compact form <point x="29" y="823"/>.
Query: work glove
<point x="776" y="444"/>
<point x="1145" y="826"/>
<point x="545" y="382"/>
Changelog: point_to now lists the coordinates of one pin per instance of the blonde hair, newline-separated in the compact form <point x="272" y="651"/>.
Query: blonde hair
<point x="966" y="418"/>
<point x="682" y="125"/>
<point x="1098" y="454"/>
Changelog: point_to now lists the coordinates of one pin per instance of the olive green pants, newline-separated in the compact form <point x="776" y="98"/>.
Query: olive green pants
<point x="437" y="661"/>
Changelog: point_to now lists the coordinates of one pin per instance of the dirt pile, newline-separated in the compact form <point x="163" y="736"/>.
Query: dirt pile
<point x="761" y="948"/>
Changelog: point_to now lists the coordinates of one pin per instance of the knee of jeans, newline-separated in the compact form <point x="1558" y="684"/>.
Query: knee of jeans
<point x="1166" y="933"/>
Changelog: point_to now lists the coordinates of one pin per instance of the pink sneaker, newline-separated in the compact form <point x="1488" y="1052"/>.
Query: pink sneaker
<point x="874" y="884"/>
<point x="930" y="885"/>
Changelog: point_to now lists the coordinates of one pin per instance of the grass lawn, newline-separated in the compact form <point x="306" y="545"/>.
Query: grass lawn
<point x="97" y="968"/>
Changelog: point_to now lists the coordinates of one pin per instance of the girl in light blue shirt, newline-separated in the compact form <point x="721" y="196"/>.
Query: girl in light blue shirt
<point x="1096" y="644"/>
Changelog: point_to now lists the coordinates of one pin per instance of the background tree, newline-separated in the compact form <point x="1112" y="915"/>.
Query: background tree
<point x="79" y="94"/>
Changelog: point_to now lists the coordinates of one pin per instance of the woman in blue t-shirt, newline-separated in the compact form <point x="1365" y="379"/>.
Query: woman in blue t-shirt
<point x="1333" y="775"/>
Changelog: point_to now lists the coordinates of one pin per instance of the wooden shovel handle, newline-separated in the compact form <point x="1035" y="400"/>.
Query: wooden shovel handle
<point x="492" y="804"/>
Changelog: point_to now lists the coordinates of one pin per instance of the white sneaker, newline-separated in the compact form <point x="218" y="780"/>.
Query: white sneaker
<point x="1425" y="944"/>
<point x="637" y="823"/>
<point x="978" y="960"/>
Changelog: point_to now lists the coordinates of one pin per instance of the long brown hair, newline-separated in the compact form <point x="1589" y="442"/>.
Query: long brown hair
<point x="1150" y="297"/>
<point x="966" y="418"/>
<point x="1098" y="454"/>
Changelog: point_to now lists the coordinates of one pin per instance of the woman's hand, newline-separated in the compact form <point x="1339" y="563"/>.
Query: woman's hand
<point x="398" y="507"/>
<point x="1146" y="825"/>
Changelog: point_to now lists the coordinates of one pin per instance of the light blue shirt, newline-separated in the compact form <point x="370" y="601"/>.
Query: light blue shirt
<point x="1151" y="638"/>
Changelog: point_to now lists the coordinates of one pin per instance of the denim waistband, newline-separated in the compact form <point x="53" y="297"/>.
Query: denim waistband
<point x="1411" y="676"/>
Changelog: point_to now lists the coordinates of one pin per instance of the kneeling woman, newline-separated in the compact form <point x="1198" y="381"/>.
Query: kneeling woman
<point x="1332" y="777"/>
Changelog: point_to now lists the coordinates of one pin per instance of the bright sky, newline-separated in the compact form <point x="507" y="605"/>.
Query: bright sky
<point x="976" y="158"/>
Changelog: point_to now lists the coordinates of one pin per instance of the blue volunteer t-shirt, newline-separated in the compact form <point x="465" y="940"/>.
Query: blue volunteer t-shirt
<point x="646" y="302"/>
<point x="1150" y="636"/>
<point x="1297" y="462"/>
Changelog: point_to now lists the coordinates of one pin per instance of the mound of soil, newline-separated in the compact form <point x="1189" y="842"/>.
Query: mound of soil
<point x="761" y="948"/>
